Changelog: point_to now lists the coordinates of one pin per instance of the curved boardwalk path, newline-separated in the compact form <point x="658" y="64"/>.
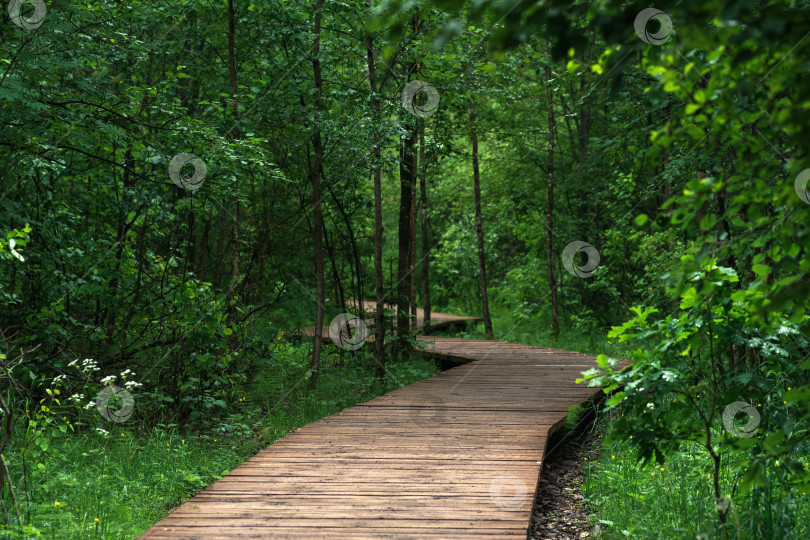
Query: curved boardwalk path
<point x="454" y="456"/>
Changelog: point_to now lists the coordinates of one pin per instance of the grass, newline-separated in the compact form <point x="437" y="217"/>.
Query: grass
<point x="90" y="484"/>
<point x="676" y="499"/>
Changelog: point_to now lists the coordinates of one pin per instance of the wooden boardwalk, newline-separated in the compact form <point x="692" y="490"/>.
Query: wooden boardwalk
<point x="438" y="321"/>
<point x="454" y="456"/>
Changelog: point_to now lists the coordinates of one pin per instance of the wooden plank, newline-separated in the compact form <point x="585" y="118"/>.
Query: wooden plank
<point x="457" y="455"/>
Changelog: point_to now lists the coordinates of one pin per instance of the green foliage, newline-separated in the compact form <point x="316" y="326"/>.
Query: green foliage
<point x="679" y="162"/>
<point x="685" y="378"/>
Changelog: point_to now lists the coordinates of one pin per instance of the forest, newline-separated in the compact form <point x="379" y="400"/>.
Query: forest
<point x="184" y="186"/>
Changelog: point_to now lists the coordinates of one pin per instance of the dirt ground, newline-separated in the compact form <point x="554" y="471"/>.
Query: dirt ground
<point x="559" y="511"/>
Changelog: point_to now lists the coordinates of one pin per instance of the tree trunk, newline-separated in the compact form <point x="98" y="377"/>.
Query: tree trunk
<point x="702" y="210"/>
<point x="412" y="249"/>
<point x="406" y="176"/>
<point x="479" y="229"/>
<point x="317" y="225"/>
<point x="234" y="133"/>
<point x="204" y="249"/>
<point x="552" y="281"/>
<point x="330" y="251"/>
<point x="585" y="119"/>
<point x="379" y="310"/>
<point x="355" y="253"/>
<point x="424" y="227"/>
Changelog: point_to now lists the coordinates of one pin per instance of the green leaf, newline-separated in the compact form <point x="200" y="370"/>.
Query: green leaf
<point x="708" y="222"/>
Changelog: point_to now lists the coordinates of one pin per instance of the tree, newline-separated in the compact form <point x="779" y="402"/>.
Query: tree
<point x="379" y="308"/>
<point x="552" y="281"/>
<point x="479" y="227"/>
<point x="317" y="217"/>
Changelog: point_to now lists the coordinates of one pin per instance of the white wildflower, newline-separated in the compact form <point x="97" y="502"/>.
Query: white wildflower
<point x="88" y="365"/>
<point x="89" y="405"/>
<point x="650" y="405"/>
<point x="102" y="431"/>
<point x="73" y="363"/>
<point x="129" y="385"/>
<point x="109" y="379"/>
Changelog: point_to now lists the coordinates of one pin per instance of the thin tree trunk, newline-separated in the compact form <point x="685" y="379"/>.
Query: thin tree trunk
<point x="204" y="249"/>
<point x="355" y="254"/>
<point x="330" y="251"/>
<point x="424" y="227"/>
<point x="412" y="264"/>
<point x="414" y="173"/>
<point x="406" y="175"/>
<point x="235" y="134"/>
<point x="479" y="229"/>
<point x="552" y="281"/>
<point x="379" y="310"/>
<point x="667" y="183"/>
<point x="584" y="125"/>
<point x="702" y="210"/>
<point x="317" y="226"/>
<point x="574" y="153"/>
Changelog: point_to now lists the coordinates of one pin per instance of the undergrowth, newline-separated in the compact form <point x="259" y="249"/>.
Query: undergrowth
<point x="108" y="481"/>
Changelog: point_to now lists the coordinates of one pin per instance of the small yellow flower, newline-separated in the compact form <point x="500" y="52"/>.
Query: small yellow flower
<point x="56" y="504"/>
<point x="215" y="440"/>
<point x="122" y="434"/>
<point x="785" y="402"/>
<point x="631" y="436"/>
<point x="662" y="469"/>
<point x="652" y="474"/>
<point x="788" y="389"/>
<point x="612" y="457"/>
<point x="95" y="520"/>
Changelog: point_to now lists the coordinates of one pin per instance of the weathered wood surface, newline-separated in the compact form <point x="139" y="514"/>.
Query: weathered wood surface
<point x="457" y="455"/>
<point x="438" y="321"/>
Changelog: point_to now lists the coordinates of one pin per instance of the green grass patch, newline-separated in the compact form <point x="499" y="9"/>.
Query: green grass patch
<point x="676" y="499"/>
